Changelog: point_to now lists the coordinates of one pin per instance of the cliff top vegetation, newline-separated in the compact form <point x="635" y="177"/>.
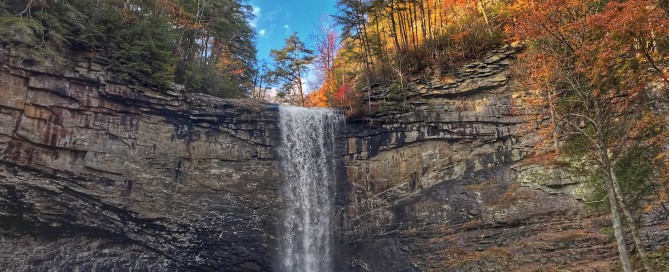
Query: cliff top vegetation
<point x="206" y="45"/>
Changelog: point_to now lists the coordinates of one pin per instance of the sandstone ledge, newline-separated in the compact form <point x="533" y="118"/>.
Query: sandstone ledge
<point x="98" y="171"/>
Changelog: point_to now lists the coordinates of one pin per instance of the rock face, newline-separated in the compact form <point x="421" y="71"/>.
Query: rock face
<point x="100" y="173"/>
<point x="456" y="125"/>
<point x="435" y="184"/>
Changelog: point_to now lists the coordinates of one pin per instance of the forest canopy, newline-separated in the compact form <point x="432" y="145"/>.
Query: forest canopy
<point x="206" y="45"/>
<point x="386" y="41"/>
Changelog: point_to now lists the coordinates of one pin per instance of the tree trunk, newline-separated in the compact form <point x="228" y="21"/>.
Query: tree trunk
<point x="365" y="52"/>
<point x="403" y="32"/>
<point x="430" y="31"/>
<point x="485" y="16"/>
<point x="367" y="77"/>
<point x="413" y="20"/>
<point x="556" y="137"/>
<point x="630" y="221"/>
<point x="362" y="29"/>
<point x="299" y="85"/>
<point x="393" y="26"/>
<point x="423" y="23"/>
<point x="442" y="27"/>
<point x="615" y="211"/>
<point x="382" y="48"/>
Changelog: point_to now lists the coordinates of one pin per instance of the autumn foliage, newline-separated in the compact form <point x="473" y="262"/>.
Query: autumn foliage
<point x="596" y="77"/>
<point x="384" y="41"/>
<point x="593" y="78"/>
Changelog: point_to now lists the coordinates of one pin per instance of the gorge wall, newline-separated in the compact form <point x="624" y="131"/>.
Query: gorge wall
<point x="438" y="184"/>
<point x="98" y="172"/>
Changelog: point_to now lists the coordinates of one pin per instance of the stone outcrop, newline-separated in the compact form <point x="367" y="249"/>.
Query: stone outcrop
<point x="98" y="172"/>
<point x="436" y="183"/>
<point x="454" y="125"/>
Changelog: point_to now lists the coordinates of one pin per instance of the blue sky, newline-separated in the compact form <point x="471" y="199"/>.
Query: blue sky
<point x="278" y="19"/>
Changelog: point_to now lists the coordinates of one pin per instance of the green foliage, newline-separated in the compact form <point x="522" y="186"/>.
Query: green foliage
<point x="609" y="232"/>
<point x="290" y="63"/>
<point x="19" y="30"/>
<point x="156" y="41"/>
<point x="206" y="79"/>
<point x="139" y="43"/>
<point x="635" y="170"/>
<point x="29" y="34"/>
<point x="224" y="64"/>
<point x="576" y="146"/>
<point x="395" y="92"/>
<point x="597" y="202"/>
<point x="659" y="259"/>
<point x="635" y="167"/>
<point x="142" y="48"/>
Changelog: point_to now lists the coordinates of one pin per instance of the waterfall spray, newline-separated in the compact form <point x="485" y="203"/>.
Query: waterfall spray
<point x="307" y="160"/>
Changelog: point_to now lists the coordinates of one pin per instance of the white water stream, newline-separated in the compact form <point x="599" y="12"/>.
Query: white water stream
<point x="307" y="160"/>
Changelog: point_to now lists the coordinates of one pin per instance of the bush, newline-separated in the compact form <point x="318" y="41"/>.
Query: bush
<point x="207" y="79"/>
<point x="395" y="92"/>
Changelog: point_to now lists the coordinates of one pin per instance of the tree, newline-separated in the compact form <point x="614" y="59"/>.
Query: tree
<point x="591" y="57"/>
<point x="290" y="63"/>
<point x="620" y="58"/>
<point x="381" y="34"/>
<point x="327" y="46"/>
<point x="206" y="45"/>
<point x="261" y="81"/>
<point x="215" y="47"/>
<point x="352" y="19"/>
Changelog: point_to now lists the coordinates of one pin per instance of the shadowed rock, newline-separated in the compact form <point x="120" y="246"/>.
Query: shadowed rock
<point x="100" y="172"/>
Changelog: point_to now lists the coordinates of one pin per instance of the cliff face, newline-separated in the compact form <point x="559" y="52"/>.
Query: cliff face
<point x="456" y="124"/>
<point x="436" y="186"/>
<point x="97" y="172"/>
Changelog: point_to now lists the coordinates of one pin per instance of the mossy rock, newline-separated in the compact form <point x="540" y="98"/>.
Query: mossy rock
<point x="19" y="31"/>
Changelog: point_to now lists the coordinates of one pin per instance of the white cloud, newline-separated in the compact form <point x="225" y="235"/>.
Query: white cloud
<point x="257" y="12"/>
<point x="286" y="26"/>
<point x="271" y="16"/>
<point x="262" y="32"/>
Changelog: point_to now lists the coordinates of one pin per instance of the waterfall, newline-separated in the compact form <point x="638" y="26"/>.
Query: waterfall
<point x="306" y="155"/>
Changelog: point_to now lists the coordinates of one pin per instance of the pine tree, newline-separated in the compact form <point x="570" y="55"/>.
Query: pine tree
<point x="290" y="65"/>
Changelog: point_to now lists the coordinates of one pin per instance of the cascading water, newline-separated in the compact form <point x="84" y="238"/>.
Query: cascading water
<point x="307" y="160"/>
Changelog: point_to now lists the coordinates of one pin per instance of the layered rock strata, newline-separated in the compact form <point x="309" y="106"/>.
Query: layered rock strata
<point x="435" y="182"/>
<point x="98" y="172"/>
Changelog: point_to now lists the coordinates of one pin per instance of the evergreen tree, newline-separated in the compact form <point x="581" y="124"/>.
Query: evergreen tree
<point x="206" y="45"/>
<point x="291" y="63"/>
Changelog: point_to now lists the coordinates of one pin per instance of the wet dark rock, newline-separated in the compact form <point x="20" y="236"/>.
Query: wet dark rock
<point x="98" y="174"/>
